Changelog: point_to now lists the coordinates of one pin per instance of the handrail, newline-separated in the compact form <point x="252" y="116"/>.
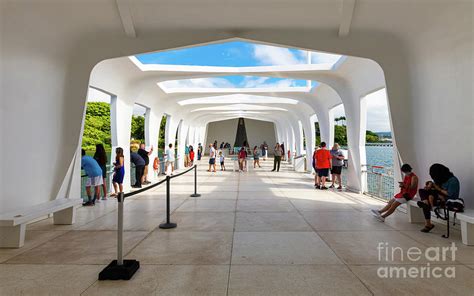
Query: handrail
<point x="300" y="156"/>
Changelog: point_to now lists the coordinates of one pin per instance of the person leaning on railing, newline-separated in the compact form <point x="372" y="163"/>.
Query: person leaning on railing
<point x="94" y="178"/>
<point x="408" y="189"/>
<point x="139" y="163"/>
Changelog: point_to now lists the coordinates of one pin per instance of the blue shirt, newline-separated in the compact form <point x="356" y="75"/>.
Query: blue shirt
<point x="452" y="186"/>
<point x="136" y="159"/>
<point x="186" y="150"/>
<point x="90" y="166"/>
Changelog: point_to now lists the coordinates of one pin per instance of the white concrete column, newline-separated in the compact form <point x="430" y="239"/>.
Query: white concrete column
<point x="170" y="133"/>
<point x="309" y="132"/>
<point x="356" y="117"/>
<point x="152" y="131"/>
<point x="182" y="134"/>
<point x="121" y="124"/>
<point x="326" y="126"/>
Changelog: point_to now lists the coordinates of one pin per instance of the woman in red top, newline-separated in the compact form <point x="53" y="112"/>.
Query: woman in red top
<point x="191" y="155"/>
<point x="242" y="157"/>
<point x="408" y="189"/>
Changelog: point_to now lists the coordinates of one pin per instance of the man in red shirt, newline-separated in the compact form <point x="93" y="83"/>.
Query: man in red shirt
<point x="323" y="164"/>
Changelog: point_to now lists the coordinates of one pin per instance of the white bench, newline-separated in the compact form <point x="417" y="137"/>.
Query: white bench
<point x="13" y="223"/>
<point x="415" y="215"/>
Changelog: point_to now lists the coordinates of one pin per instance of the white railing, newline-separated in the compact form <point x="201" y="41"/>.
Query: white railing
<point x="380" y="181"/>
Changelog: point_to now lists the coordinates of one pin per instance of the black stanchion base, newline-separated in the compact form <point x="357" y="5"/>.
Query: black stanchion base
<point x="195" y="195"/>
<point x="168" y="225"/>
<point x="119" y="272"/>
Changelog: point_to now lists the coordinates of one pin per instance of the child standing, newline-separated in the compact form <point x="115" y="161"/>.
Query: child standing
<point x="221" y="159"/>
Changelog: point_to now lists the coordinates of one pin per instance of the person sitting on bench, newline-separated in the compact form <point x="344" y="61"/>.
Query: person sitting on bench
<point x="445" y="186"/>
<point x="408" y="190"/>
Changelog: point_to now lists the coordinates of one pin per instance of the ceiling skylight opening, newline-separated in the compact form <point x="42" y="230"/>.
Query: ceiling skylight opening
<point x="240" y="108"/>
<point x="235" y="82"/>
<point x="237" y="54"/>
<point x="238" y="98"/>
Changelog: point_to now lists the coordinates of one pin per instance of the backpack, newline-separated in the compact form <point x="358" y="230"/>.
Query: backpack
<point x="455" y="205"/>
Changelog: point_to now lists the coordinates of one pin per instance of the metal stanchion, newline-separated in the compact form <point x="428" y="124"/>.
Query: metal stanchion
<point x="195" y="194"/>
<point x="120" y="269"/>
<point x="168" y="224"/>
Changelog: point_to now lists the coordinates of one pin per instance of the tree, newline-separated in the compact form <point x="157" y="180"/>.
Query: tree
<point x="318" y="133"/>
<point x="161" y="136"/>
<point x="340" y="135"/>
<point x="138" y="128"/>
<point x="371" y="137"/>
<point x="96" y="126"/>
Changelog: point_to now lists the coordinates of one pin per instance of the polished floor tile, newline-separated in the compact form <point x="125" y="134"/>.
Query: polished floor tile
<point x="32" y="239"/>
<point x="371" y="247"/>
<point x="168" y="280"/>
<point x="163" y="247"/>
<point x="37" y="280"/>
<point x="281" y="248"/>
<point x="395" y="283"/>
<point x="294" y="280"/>
<point x="264" y="205"/>
<point x="80" y="247"/>
<point x="203" y="221"/>
<point x="207" y="205"/>
<point x="269" y="221"/>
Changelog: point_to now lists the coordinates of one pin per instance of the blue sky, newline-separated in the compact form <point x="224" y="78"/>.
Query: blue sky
<point x="236" y="54"/>
<point x="246" y="54"/>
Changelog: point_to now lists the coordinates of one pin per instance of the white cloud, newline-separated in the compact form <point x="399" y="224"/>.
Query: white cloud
<point x="95" y="95"/>
<point x="197" y="83"/>
<point x="377" y="112"/>
<point x="263" y="82"/>
<point x="324" y="58"/>
<point x="271" y="55"/>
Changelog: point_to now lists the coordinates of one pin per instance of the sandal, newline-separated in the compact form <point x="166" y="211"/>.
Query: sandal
<point x="427" y="229"/>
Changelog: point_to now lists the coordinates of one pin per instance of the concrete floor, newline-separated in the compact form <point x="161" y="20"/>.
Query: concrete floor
<point x="258" y="233"/>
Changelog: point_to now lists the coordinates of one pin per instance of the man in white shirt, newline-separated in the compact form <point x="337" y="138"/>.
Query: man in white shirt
<point x="169" y="154"/>
<point x="212" y="158"/>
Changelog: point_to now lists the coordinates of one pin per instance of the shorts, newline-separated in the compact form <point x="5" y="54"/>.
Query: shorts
<point x="323" y="172"/>
<point x="222" y="163"/>
<point x="212" y="161"/>
<point x="94" y="181"/>
<point x="336" y="170"/>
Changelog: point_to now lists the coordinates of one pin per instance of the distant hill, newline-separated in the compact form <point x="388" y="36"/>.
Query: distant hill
<point x="384" y="134"/>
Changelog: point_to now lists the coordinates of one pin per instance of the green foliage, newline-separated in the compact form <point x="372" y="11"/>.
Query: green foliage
<point x="340" y="135"/>
<point x="318" y="133"/>
<point x="371" y="137"/>
<point x="161" y="136"/>
<point x="96" y="126"/>
<point x="138" y="128"/>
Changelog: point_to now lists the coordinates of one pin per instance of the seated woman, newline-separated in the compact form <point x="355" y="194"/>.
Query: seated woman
<point x="407" y="191"/>
<point x="444" y="186"/>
